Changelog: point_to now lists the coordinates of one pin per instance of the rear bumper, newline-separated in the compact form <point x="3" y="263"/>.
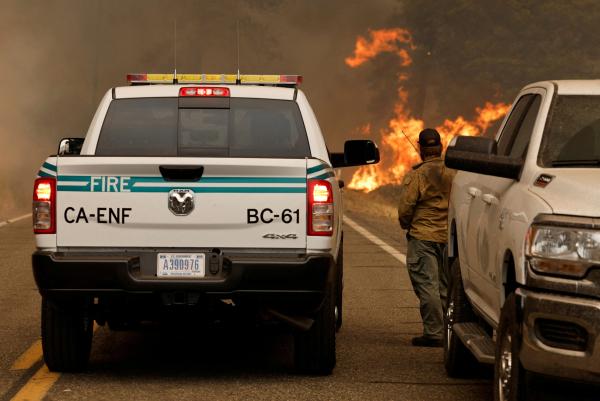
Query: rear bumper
<point x="569" y="345"/>
<point x="296" y="281"/>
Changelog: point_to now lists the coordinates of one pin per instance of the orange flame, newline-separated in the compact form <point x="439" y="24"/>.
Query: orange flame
<point x="382" y="40"/>
<point x="397" y="154"/>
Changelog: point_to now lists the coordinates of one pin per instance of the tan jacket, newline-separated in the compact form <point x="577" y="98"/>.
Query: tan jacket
<point x="423" y="203"/>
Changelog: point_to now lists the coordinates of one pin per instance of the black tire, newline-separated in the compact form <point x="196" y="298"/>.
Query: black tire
<point x="66" y="336"/>
<point x="458" y="360"/>
<point x="314" y="350"/>
<point x="339" y="303"/>
<point x="507" y="367"/>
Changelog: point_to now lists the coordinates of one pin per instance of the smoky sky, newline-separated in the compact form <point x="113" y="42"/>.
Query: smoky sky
<point x="58" y="58"/>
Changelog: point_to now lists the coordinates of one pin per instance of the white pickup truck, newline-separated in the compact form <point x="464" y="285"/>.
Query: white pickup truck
<point x="193" y="193"/>
<point x="524" y="247"/>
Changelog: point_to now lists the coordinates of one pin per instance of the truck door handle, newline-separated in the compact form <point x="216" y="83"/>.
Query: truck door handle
<point x="474" y="192"/>
<point x="490" y="199"/>
<point x="181" y="173"/>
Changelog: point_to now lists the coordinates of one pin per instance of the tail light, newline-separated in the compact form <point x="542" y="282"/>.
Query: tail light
<point x="44" y="206"/>
<point x="320" y="208"/>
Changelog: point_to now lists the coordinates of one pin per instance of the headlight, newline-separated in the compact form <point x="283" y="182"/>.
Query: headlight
<point x="563" y="250"/>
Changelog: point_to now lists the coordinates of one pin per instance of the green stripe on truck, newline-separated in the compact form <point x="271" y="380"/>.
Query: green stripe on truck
<point x="328" y="174"/>
<point x="44" y="174"/>
<point x="262" y="190"/>
<point x="316" y="168"/>
<point x="49" y="166"/>
<point x="217" y="180"/>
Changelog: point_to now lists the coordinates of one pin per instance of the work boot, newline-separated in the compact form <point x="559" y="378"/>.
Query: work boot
<point x="423" y="341"/>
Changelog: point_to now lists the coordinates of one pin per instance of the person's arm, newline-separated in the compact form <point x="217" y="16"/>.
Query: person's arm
<point x="409" y="195"/>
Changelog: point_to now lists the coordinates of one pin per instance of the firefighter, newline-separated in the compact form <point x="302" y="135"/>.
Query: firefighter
<point x="423" y="213"/>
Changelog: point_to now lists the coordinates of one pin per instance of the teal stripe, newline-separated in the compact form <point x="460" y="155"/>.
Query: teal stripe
<point x="266" y="190"/>
<point x="232" y="190"/>
<point x="315" y="168"/>
<point x="74" y="178"/>
<point x="147" y="179"/>
<point x="219" y="180"/>
<point x="49" y="166"/>
<point x="328" y="174"/>
<point x="260" y="180"/>
<point x="44" y="174"/>
<point x="73" y="188"/>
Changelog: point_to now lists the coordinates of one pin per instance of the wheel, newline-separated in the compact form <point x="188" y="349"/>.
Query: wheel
<point x="511" y="380"/>
<point x="339" y="303"/>
<point x="66" y="336"/>
<point x="314" y="350"/>
<point x="458" y="360"/>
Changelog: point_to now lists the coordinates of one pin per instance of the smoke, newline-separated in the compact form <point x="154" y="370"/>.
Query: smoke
<point x="58" y="58"/>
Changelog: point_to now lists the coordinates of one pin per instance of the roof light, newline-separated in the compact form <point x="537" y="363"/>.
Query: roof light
<point x="271" y="79"/>
<point x="292" y="79"/>
<point x="134" y="78"/>
<point x="204" y="91"/>
<point x="214" y="79"/>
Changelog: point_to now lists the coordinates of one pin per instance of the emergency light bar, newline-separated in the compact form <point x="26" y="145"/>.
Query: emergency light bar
<point x="214" y="79"/>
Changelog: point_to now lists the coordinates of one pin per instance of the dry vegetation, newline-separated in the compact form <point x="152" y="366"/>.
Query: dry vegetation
<point x="380" y="202"/>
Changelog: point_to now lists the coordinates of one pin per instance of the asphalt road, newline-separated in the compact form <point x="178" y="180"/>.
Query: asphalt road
<point x="375" y="360"/>
<point x="232" y="362"/>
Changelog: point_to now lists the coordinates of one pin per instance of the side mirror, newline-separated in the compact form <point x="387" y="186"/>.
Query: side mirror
<point x="70" y="146"/>
<point x="478" y="155"/>
<point x="357" y="152"/>
<point x="474" y="144"/>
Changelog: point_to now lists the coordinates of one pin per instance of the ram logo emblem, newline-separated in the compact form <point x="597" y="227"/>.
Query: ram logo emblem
<point x="181" y="201"/>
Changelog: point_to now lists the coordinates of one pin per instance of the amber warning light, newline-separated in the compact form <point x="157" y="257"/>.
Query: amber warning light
<point x="212" y="79"/>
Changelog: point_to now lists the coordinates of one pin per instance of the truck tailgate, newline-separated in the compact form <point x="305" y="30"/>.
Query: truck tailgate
<point x="126" y="202"/>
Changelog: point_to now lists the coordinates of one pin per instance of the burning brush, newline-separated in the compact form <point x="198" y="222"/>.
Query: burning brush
<point x="397" y="153"/>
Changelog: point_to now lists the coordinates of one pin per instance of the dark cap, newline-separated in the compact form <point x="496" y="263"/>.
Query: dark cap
<point x="429" y="137"/>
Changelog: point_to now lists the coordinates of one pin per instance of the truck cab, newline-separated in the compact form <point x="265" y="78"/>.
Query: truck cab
<point x="193" y="192"/>
<point x="524" y="241"/>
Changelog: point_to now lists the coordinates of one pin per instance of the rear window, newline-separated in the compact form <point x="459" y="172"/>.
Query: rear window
<point x="236" y="127"/>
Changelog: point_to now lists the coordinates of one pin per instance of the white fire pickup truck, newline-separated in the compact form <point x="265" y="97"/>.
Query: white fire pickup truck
<point x="188" y="193"/>
<point x="524" y="249"/>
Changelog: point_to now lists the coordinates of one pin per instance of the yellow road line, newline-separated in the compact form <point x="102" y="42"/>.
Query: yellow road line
<point x="37" y="387"/>
<point x="29" y="357"/>
<point x="42" y="381"/>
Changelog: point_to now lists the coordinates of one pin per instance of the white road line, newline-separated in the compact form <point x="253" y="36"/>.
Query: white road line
<point x="376" y="240"/>
<point x="9" y="221"/>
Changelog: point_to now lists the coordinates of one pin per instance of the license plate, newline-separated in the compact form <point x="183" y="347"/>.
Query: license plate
<point x="180" y="265"/>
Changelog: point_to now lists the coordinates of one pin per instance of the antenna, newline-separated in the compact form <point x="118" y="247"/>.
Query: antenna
<point x="237" y="29"/>
<point x="409" y="141"/>
<point x="175" y="51"/>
